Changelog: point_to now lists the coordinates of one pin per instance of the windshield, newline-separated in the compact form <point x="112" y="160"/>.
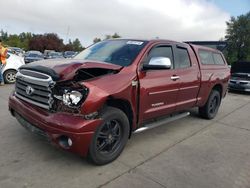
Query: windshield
<point x="118" y="52"/>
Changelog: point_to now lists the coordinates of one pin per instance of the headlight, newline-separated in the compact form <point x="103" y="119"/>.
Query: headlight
<point x="72" y="98"/>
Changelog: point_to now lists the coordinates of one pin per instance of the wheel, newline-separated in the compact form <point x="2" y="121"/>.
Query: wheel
<point x="210" y="109"/>
<point x="9" y="76"/>
<point x="110" y="137"/>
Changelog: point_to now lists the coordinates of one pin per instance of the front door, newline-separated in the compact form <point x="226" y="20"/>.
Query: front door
<point x="158" y="88"/>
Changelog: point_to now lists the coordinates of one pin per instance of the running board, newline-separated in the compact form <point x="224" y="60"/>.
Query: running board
<point x="162" y="122"/>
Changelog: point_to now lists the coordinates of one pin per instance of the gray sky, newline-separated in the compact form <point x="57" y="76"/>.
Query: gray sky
<point x="176" y="20"/>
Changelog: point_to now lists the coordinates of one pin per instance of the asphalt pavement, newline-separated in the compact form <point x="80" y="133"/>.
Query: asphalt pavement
<point x="190" y="152"/>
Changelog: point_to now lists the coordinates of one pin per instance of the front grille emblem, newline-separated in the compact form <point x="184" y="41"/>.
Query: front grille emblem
<point x="29" y="90"/>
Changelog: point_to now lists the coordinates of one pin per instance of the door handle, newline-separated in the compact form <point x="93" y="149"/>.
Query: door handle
<point x="175" y="78"/>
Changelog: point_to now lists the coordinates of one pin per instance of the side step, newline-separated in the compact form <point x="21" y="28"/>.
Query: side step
<point x="162" y="122"/>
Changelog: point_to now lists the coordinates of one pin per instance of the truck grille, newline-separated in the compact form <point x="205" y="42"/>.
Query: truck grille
<point x="35" y="90"/>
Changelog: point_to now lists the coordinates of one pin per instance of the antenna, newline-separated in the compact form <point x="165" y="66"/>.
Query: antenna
<point x="67" y="34"/>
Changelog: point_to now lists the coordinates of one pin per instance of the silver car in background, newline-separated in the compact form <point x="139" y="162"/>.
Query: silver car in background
<point x="240" y="77"/>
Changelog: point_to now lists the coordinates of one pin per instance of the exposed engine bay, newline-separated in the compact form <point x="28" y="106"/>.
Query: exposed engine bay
<point x="67" y="90"/>
<point x="85" y="74"/>
<point x="68" y="96"/>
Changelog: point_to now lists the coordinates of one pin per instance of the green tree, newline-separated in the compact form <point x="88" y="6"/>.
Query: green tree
<point x="116" y="35"/>
<point x="69" y="46"/>
<point x="41" y="42"/>
<point x="13" y="40"/>
<point x="96" y="40"/>
<point x="24" y="40"/>
<point x="77" y="45"/>
<point x="4" y="35"/>
<point x="238" y="38"/>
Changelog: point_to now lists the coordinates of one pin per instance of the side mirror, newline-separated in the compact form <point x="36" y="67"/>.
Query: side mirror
<point x="158" y="63"/>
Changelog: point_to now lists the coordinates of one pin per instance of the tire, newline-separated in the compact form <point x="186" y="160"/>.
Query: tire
<point x="9" y="76"/>
<point x="110" y="137"/>
<point x="210" y="109"/>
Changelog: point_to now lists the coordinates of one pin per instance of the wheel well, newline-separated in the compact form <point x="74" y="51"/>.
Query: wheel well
<point x="124" y="106"/>
<point x="218" y="87"/>
<point x="9" y="70"/>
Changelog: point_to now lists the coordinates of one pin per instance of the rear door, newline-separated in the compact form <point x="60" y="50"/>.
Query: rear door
<point x="158" y="88"/>
<point x="187" y="69"/>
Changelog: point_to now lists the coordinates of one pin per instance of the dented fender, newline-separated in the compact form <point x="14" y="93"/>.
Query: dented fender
<point x="95" y="99"/>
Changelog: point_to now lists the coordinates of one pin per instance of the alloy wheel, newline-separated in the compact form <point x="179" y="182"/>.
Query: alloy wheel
<point x="109" y="137"/>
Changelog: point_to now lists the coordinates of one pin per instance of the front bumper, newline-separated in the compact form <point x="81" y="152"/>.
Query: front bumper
<point x="239" y="87"/>
<point x="55" y="126"/>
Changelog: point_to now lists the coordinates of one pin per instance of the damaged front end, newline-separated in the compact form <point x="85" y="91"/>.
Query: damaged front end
<point x="69" y="95"/>
<point x="43" y="87"/>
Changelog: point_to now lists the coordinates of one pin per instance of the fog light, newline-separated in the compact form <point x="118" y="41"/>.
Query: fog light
<point x="70" y="142"/>
<point x="65" y="142"/>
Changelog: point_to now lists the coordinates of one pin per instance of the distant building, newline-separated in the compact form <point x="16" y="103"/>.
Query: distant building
<point x="219" y="45"/>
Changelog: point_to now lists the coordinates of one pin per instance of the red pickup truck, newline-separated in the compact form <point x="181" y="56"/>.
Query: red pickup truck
<point x="91" y="104"/>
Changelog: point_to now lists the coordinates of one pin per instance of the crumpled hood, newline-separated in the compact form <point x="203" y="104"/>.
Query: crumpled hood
<point x="65" y="69"/>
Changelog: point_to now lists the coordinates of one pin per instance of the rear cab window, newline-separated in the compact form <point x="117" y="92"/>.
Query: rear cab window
<point x="210" y="58"/>
<point x="218" y="59"/>
<point x="206" y="57"/>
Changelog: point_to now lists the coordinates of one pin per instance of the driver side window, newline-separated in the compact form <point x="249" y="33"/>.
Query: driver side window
<point x="161" y="51"/>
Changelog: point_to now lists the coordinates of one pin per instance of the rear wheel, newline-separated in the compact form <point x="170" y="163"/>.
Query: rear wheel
<point x="10" y="76"/>
<point x="210" y="109"/>
<point x="110" y="138"/>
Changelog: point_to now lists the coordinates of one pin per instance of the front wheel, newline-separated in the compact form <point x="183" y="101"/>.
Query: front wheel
<point x="9" y="76"/>
<point x="110" y="137"/>
<point x="210" y="109"/>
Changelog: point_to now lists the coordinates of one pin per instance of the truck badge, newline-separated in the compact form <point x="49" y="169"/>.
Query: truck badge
<point x="29" y="90"/>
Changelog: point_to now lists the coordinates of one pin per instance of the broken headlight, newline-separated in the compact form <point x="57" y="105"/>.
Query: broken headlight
<point x="72" y="98"/>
